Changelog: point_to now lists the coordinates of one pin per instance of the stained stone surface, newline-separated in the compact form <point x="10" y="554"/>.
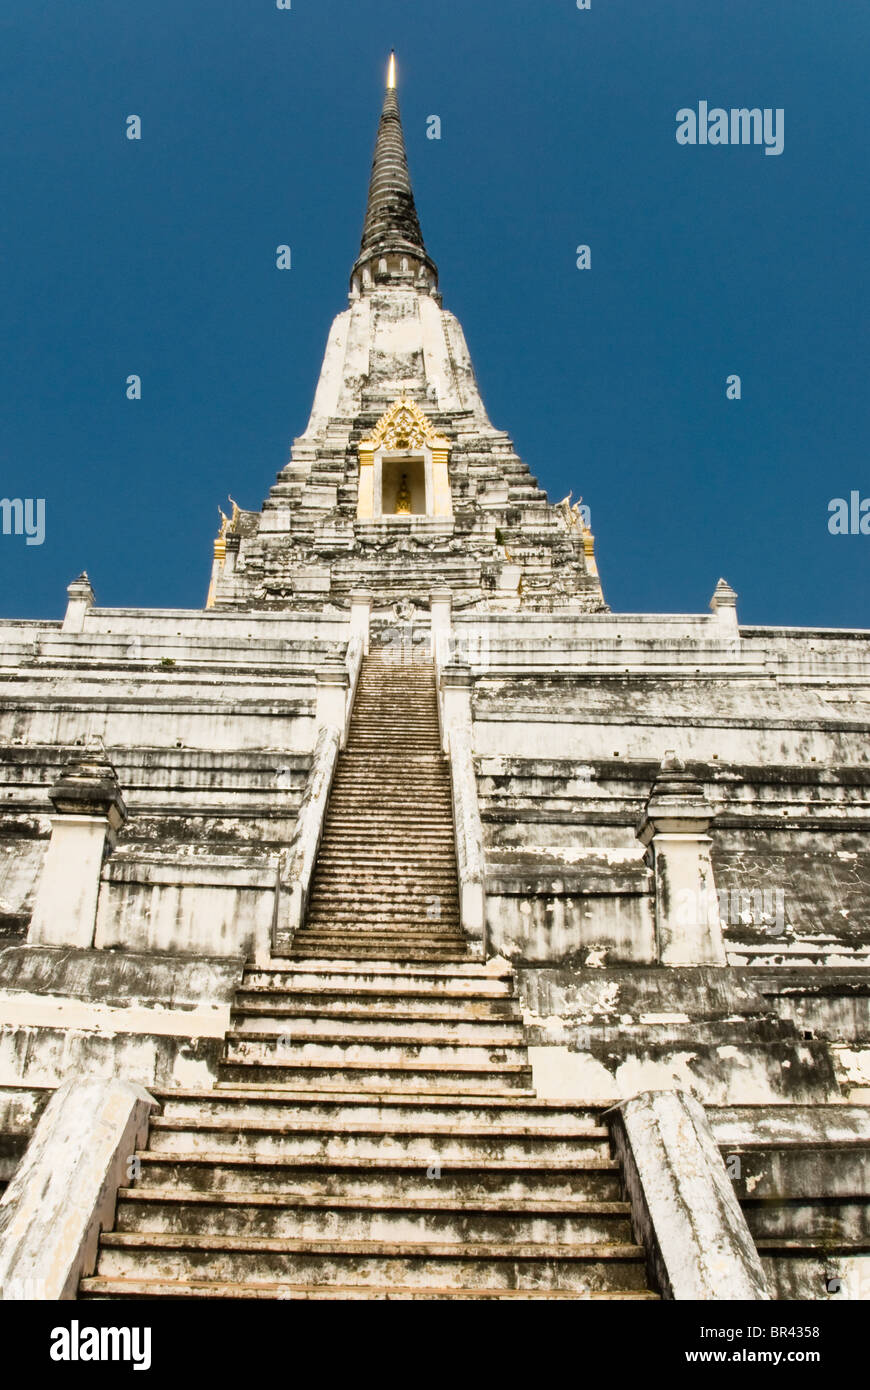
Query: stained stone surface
<point x="209" y="718"/>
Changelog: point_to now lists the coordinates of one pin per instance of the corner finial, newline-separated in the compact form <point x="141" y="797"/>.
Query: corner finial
<point x="724" y="606"/>
<point x="391" y="71"/>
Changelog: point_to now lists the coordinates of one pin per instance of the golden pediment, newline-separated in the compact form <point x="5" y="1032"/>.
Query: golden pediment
<point x="404" y="426"/>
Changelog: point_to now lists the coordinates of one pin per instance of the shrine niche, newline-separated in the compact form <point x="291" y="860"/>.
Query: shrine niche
<point x="403" y="467"/>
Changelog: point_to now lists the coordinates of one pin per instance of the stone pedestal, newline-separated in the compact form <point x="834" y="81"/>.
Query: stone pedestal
<point x="441" y="608"/>
<point x="80" y="597"/>
<point x="360" y="617"/>
<point x="673" y="828"/>
<point x="724" y="608"/>
<point x="90" y="812"/>
<point x="455" y="686"/>
<point x="332" y="686"/>
<point x="233" y="544"/>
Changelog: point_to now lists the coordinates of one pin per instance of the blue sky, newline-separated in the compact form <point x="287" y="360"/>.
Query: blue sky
<point x="157" y="258"/>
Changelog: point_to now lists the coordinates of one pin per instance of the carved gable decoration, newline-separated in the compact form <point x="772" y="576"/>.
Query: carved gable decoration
<point x="404" y="427"/>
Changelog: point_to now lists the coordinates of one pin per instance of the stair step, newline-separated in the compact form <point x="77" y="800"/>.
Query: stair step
<point x="409" y="862"/>
<point x="393" y="817"/>
<point x="95" y="1288"/>
<point x="421" y="839"/>
<point x="413" y="931"/>
<point x="426" y="773"/>
<point x="391" y="737"/>
<point x="428" y="769"/>
<point x="408" y="936"/>
<point x="342" y="859"/>
<point x="378" y="908"/>
<point x="484" y="1032"/>
<point x="377" y="937"/>
<point x="393" y="746"/>
<point x="372" y="905"/>
<point x="399" y="940"/>
<point x="353" y="953"/>
<point x="431" y="849"/>
<point x="438" y="852"/>
<point x="373" y="1133"/>
<point x="377" y="862"/>
<point x="379" y="1129"/>
<point x="406" y="858"/>
<point x="490" y="1265"/>
<point x="387" y="967"/>
<point x="351" y="848"/>
<point x="390" y="880"/>
<point x="382" y="887"/>
<point x="343" y="1047"/>
<point x="400" y="853"/>
<point x="427" y="811"/>
<point x="375" y="785"/>
<point x="395" y="941"/>
<point x="317" y="1142"/>
<point x="430" y="915"/>
<point x="340" y="989"/>
<point x="409" y="931"/>
<point x="417" y="893"/>
<point x="524" y="1182"/>
<point x="402" y="745"/>
<point x="378" y="918"/>
<point x="177" y="1211"/>
<point x="433" y="799"/>
<point x="277" y="1005"/>
<point x="420" y="882"/>
<point x="421" y="768"/>
<point x="397" y="1112"/>
<point x="356" y="952"/>
<point x="428" y="839"/>
<point x="368" y="1076"/>
<point x="417" y="890"/>
<point x="294" y="1201"/>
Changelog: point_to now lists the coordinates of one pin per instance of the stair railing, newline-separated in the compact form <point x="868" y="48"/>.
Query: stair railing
<point x="296" y="867"/>
<point x="454" y="684"/>
<point x="353" y="661"/>
<point x="469" y="839"/>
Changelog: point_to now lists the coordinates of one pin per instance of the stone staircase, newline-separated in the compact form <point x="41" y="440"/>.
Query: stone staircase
<point x="373" y="1135"/>
<point x="385" y="880"/>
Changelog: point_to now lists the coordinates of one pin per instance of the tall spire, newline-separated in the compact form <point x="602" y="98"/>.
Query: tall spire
<point x="392" y="247"/>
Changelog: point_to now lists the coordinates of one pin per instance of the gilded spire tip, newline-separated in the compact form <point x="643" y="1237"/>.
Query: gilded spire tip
<point x="391" y="71"/>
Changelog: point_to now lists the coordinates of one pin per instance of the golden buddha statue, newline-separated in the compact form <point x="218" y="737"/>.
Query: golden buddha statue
<point x="403" y="497"/>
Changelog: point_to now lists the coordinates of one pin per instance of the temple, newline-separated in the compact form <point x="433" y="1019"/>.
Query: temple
<point x="400" y="483"/>
<point x="406" y="924"/>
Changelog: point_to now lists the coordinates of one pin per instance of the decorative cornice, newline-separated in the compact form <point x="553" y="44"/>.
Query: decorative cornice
<point x="404" y="426"/>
